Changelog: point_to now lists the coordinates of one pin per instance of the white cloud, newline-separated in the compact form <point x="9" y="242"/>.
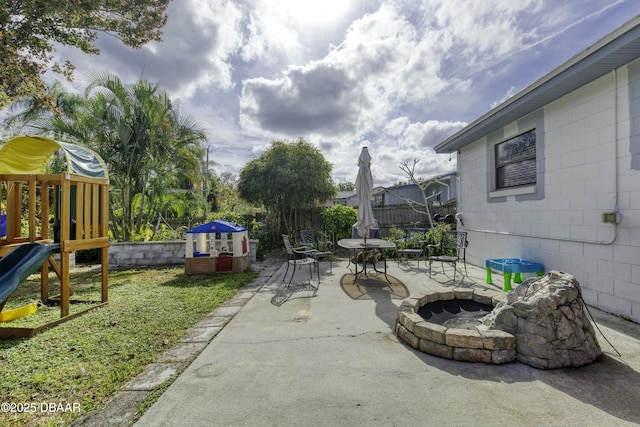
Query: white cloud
<point x="390" y="60"/>
<point x="199" y="40"/>
<point x="198" y="43"/>
<point x="314" y="99"/>
<point x="484" y="30"/>
<point x="375" y="69"/>
<point x="397" y="75"/>
<point x="512" y="91"/>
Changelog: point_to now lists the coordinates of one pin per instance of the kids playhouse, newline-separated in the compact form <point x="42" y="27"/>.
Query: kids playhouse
<point x="217" y="246"/>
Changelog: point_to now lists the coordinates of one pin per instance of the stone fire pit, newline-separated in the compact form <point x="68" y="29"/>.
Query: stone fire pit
<point x="469" y="345"/>
<point x="541" y="323"/>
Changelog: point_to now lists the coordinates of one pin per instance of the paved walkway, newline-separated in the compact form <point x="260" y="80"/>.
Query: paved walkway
<point x="333" y="360"/>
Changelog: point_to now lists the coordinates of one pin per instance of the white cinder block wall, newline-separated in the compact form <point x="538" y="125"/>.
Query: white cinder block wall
<point x="156" y="253"/>
<point x="585" y="142"/>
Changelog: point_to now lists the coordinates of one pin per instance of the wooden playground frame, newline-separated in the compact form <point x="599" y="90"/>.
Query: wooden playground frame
<point x="47" y="196"/>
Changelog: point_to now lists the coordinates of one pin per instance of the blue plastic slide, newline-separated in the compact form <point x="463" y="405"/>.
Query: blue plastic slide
<point x="20" y="263"/>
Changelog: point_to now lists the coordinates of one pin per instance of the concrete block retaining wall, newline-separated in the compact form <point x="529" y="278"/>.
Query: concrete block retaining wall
<point x="156" y="253"/>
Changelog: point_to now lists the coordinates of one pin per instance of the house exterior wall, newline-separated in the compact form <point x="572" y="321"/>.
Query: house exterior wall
<point x="394" y="195"/>
<point x="587" y="163"/>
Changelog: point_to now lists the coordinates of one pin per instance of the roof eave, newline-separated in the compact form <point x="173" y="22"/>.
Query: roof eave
<point x="609" y="53"/>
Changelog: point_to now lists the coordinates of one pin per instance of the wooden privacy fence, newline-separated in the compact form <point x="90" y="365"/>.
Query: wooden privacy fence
<point x="400" y="216"/>
<point x="403" y="216"/>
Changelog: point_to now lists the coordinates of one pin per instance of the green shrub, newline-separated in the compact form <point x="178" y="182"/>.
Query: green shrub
<point x="339" y="219"/>
<point x="229" y="215"/>
<point x="396" y="235"/>
<point x="434" y="234"/>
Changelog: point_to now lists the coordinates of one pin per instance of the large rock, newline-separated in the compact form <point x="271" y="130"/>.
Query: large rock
<point x="549" y="320"/>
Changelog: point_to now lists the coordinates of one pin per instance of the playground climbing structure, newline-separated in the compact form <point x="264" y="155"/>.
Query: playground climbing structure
<point x="67" y="211"/>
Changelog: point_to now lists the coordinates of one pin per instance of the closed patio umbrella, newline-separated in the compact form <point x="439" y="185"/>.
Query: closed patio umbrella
<point x="364" y="188"/>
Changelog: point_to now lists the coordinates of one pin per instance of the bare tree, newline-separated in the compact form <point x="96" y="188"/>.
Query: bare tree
<point x="418" y="206"/>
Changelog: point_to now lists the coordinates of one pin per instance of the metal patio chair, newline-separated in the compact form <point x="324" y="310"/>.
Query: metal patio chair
<point x="298" y="257"/>
<point x="415" y="239"/>
<point x="451" y="249"/>
<point x="310" y="239"/>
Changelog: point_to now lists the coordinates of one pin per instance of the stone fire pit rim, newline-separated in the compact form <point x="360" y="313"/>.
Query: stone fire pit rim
<point x="471" y="345"/>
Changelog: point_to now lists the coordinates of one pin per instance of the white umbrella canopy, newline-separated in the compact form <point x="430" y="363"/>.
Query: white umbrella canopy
<point x="364" y="188"/>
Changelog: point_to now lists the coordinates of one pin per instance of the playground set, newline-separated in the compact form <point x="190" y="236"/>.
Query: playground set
<point x="49" y="214"/>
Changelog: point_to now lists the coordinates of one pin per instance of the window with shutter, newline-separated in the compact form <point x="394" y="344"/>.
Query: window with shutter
<point x="515" y="161"/>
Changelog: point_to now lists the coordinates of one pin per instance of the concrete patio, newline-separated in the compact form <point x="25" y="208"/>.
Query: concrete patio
<point x="334" y="359"/>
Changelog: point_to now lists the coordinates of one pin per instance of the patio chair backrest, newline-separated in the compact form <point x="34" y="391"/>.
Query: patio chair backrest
<point x="308" y="238"/>
<point x="455" y="240"/>
<point x="415" y="238"/>
<point x="287" y="244"/>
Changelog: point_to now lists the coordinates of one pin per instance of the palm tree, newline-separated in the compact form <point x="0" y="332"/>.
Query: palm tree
<point x="29" y="112"/>
<point x="148" y="145"/>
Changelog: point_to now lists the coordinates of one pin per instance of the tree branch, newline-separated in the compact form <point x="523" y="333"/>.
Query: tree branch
<point x="409" y="170"/>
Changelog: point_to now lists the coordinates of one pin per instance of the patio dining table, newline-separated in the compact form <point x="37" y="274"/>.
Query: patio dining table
<point x="360" y="246"/>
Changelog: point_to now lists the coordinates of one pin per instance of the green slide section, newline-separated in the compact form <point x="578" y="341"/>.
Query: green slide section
<point x="20" y="263"/>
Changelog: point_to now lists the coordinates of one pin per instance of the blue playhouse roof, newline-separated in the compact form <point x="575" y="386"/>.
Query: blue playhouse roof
<point x="218" y="226"/>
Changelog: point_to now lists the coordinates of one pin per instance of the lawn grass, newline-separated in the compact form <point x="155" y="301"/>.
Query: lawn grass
<point x="82" y="363"/>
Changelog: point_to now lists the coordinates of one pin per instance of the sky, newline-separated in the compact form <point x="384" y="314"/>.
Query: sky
<point x="397" y="76"/>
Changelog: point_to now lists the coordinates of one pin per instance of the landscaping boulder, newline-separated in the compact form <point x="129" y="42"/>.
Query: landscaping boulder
<point x="548" y="318"/>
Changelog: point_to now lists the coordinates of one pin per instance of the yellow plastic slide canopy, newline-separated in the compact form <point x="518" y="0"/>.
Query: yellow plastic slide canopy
<point x="30" y="154"/>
